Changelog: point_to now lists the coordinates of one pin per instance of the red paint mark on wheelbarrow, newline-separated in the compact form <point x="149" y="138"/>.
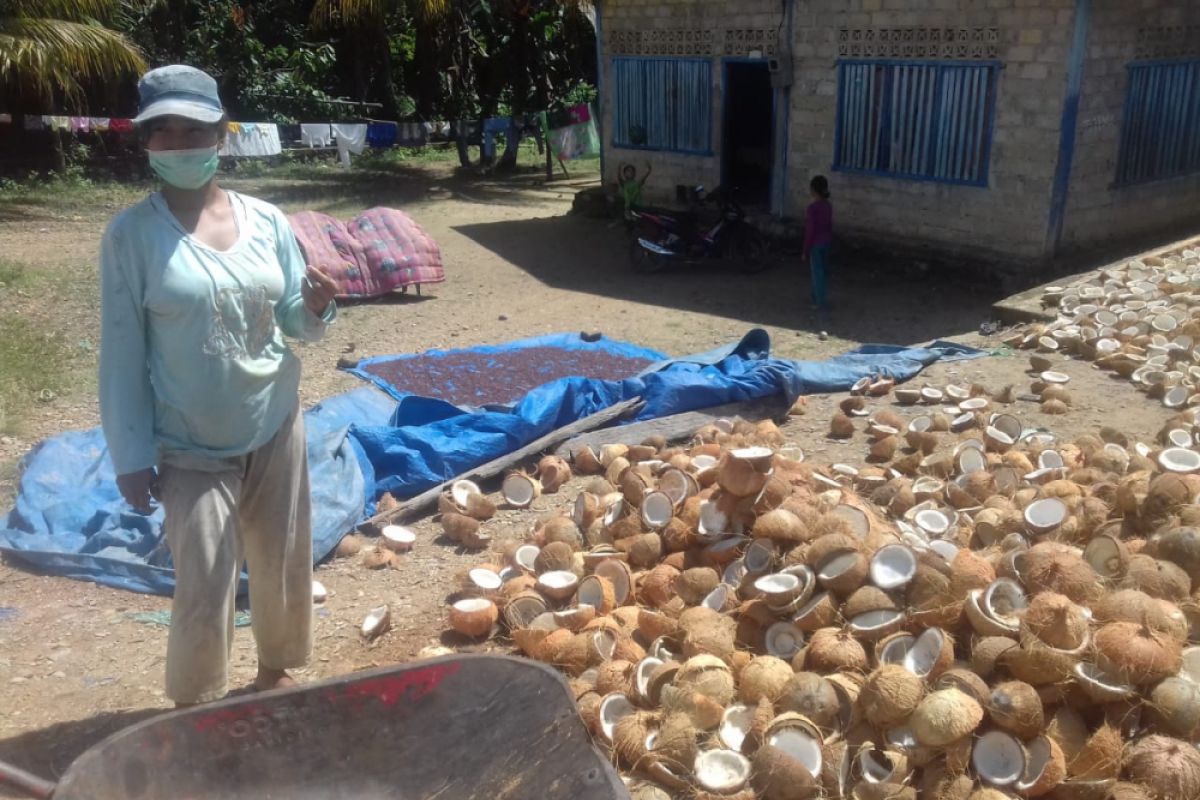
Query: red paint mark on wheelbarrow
<point x="225" y="716"/>
<point x="392" y="688"/>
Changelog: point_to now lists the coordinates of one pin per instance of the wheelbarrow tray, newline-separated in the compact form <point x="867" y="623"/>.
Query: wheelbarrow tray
<point x="457" y="728"/>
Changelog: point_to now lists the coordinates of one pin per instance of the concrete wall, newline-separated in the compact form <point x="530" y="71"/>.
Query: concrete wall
<point x="1123" y="31"/>
<point x="1005" y="220"/>
<point x="691" y="28"/>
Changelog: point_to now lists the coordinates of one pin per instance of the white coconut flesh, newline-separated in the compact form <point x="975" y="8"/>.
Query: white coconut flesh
<point x="871" y="621"/>
<point x="783" y="640"/>
<point x="1176" y="397"/>
<point x="559" y="583"/>
<point x="377" y="621"/>
<point x="657" y="510"/>
<point x="526" y="557"/>
<point x="660" y="648"/>
<point x="893" y="566"/>
<point x="618" y="574"/>
<point x="902" y="738"/>
<point x="676" y="485"/>
<point x="876" y="766"/>
<point x="1003" y="600"/>
<point x="485" y="579"/>
<point x="998" y="759"/>
<point x="809" y="607"/>
<point x="860" y="523"/>
<point x="972" y="404"/>
<point x="962" y="421"/>
<point x="971" y="460"/>
<point x="1104" y="555"/>
<point x="472" y="605"/>
<point x="713" y="521"/>
<point x="731" y="543"/>
<point x="510" y="572"/>
<point x="1179" y="437"/>
<point x="1099" y="684"/>
<point x="641" y="679"/>
<point x="717" y="598"/>
<point x="614" y="511"/>
<point x="758" y="556"/>
<point x="605" y="642"/>
<point x="461" y="492"/>
<point x="723" y="425"/>
<point x="1037" y="758"/>
<point x="518" y="490"/>
<point x="1050" y="459"/>
<point x="947" y="550"/>
<point x="1050" y="376"/>
<point x="735" y="725"/>
<point x="591" y="592"/>
<point x="397" y="537"/>
<point x="837" y="564"/>
<point x="926" y="488"/>
<point x="933" y="521"/>
<point x="759" y="457"/>
<point x="613" y="709"/>
<point x="1046" y="514"/>
<point x="923" y="656"/>
<point x="1191" y="664"/>
<point x="319" y="593"/>
<point x="734" y="573"/>
<point x="800" y="747"/>
<point x="895" y="650"/>
<point x="932" y="395"/>
<point x="1179" y="459"/>
<point x="999" y="437"/>
<point x="722" y="771"/>
<point x="778" y="587"/>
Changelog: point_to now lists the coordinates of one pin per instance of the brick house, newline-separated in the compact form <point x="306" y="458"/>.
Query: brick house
<point x="1010" y="131"/>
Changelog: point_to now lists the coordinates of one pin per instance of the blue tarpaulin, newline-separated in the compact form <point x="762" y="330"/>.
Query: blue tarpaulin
<point x="69" y="519"/>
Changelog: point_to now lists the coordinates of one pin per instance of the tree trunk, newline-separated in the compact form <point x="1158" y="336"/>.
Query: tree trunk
<point x="60" y="154"/>
<point x="460" y="139"/>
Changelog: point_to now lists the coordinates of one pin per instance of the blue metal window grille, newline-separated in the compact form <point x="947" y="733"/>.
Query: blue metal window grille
<point x="922" y="120"/>
<point x="663" y="104"/>
<point x="1160" y="133"/>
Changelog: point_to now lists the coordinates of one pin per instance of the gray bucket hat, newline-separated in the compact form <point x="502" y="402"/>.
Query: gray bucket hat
<point x="181" y="91"/>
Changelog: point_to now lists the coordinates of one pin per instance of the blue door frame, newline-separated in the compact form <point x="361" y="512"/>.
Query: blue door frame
<point x="725" y="64"/>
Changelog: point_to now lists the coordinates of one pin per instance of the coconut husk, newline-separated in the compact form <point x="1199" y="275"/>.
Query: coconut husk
<point x="1100" y="757"/>
<point x="777" y="776"/>
<point x="1168" y="767"/>
<point x="1016" y="707"/>
<point x="890" y="694"/>
<point x="945" y="716"/>
<point x="835" y="650"/>
<point x="764" y="677"/>
<point x="1136" y="653"/>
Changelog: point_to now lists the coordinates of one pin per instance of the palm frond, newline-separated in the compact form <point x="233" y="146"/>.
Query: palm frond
<point x="327" y="14"/>
<point x="70" y="10"/>
<point x="46" y="55"/>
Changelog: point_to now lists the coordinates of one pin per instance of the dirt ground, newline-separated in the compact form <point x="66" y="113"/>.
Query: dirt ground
<point x="74" y="665"/>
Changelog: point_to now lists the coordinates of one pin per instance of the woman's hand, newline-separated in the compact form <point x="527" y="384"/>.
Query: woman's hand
<point x="138" y="487"/>
<point x="318" y="290"/>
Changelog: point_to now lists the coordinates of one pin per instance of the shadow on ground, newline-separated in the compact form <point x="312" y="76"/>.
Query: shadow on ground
<point x="49" y="752"/>
<point x="871" y="301"/>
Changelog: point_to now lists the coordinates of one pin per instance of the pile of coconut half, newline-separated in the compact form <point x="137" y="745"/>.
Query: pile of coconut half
<point x="1000" y="614"/>
<point x="1137" y="320"/>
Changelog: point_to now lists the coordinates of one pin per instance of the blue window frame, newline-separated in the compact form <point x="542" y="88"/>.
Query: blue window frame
<point x="1160" y="133"/>
<point x="921" y="120"/>
<point x="663" y="104"/>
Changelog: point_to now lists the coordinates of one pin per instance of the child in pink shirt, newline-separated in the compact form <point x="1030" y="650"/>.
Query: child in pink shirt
<point x="818" y="236"/>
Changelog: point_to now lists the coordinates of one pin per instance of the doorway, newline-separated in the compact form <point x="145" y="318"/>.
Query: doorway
<point x="748" y="125"/>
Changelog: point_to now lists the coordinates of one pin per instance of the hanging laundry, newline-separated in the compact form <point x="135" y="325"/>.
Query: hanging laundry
<point x="234" y="127"/>
<point x="381" y="134"/>
<point x="117" y="125"/>
<point x="253" y="140"/>
<point x="5" y="119"/>
<point x="56" y="123"/>
<point x="81" y="124"/>
<point x="350" y="139"/>
<point x="491" y="127"/>
<point x="412" y="134"/>
<point x="99" y="124"/>
<point x="315" y="134"/>
<point x="574" y="139"/>
<point x="33" y="123"/>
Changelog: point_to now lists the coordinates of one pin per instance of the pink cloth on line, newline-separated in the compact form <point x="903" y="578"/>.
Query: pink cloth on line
<point x="818" y="225"/>
<point x="379" y="250"/>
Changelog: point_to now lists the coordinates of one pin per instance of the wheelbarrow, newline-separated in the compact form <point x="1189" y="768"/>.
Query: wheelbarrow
<point x="457" y="728"/>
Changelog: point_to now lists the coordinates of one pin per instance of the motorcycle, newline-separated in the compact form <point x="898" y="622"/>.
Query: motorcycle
<point x="662" y="237"/>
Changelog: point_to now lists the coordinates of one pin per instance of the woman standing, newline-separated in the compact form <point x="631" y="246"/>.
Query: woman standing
<point x="198" y="391"/>
<point x="818" y="236"/>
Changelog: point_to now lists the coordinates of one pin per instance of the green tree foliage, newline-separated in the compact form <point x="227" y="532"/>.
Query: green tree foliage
<point x="54" y="50"/>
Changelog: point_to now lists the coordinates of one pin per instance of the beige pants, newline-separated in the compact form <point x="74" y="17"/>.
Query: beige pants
<point x="218" y="512"/>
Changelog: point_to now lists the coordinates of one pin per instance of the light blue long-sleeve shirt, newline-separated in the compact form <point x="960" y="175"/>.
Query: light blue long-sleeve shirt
<point x="192" y="356"/>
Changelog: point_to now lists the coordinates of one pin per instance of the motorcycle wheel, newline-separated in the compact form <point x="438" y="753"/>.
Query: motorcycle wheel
<point x="644" y="261"/>
<point x="752" y="250"/>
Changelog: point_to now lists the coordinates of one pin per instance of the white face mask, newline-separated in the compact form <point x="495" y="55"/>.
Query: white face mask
<point x="185" y="169"/>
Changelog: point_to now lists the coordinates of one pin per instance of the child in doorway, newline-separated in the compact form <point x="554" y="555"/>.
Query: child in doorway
<point x="818" y="236"/>
<point x="630" y="188"/>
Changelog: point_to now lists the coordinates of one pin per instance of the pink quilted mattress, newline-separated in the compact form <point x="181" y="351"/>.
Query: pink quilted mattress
<point x="380" y="250"/>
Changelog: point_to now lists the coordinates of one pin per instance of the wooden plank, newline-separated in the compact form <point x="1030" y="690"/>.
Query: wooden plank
<point x="418" y="504"/>
<point x="677" y="426"/>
